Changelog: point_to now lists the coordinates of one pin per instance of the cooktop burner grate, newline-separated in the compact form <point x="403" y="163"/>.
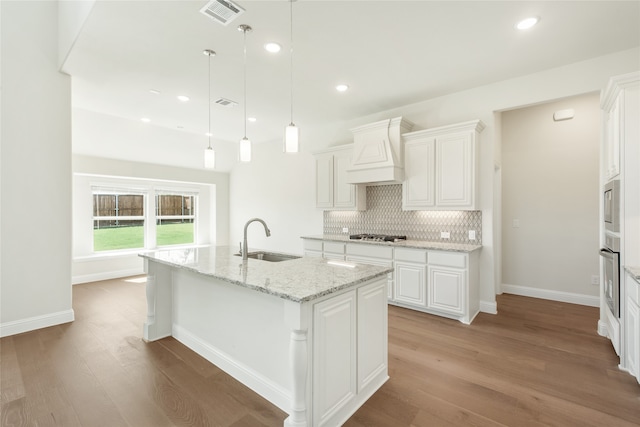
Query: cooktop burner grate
<point x="377" y="237"/>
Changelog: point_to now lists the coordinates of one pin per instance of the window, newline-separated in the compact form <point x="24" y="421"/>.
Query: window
<point x="118" y="221"/>
<point x="175" y="215"/>
<point x="142" y="217"/>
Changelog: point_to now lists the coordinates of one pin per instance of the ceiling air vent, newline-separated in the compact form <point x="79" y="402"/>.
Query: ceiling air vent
<point x="225" y="102"/>
<point x="222" y="11"/>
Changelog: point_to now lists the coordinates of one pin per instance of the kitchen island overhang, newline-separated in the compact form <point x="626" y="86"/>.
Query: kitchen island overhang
<point x="308" y="334"/>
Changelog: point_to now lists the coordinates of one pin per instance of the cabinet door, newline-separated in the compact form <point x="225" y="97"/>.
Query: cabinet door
<point x="446" y="289"/>
<point x="335" y="357"/>
<point x="612" y="140"/>
<point x="372" y="340"/>
<point x="324" y="181"/>
<point x="632" y="325"/>
<point x="419" y="168"/>
<point x="344" y="194"/>
<point x="454" y="170"/>
<point x="410" y="283"/>
<point x="375" y="261"/>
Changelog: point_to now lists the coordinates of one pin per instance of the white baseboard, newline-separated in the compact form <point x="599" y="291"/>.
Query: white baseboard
<point x="106" y="275"/>
<point x="603" y="329"/>
<point x="271" y="391"/>
<point x="525" y="291"/>
<point x="37" y="322"/>
<point x="490" y="307"/>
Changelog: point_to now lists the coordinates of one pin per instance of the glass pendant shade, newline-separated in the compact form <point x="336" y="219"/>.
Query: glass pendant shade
<point x="209" y="158"/>
<point x="291" y="139"/>
<point x="245" y="150"/>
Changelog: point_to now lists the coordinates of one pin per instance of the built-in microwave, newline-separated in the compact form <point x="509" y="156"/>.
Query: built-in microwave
<point x="611" y="212"/>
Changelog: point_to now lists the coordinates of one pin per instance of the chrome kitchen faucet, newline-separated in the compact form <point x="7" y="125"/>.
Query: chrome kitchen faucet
<point x="244" y="249"/>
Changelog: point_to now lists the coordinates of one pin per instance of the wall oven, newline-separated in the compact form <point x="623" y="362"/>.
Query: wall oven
<point x="611" y="258"/>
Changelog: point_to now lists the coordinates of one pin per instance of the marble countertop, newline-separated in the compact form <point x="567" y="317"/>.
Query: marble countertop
<point x="299" y="280"/>
<point x="419" y="244"/>
<point x="634" y="272"/>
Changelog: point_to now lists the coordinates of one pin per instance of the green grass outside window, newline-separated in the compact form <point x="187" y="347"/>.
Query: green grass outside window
<point x="110" y="239"/>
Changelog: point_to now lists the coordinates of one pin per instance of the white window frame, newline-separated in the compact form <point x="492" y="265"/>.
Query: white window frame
<point x="169" y="191"/>
<point x="149" y="218"/>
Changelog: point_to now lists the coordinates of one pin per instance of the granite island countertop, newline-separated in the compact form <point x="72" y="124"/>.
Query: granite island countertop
<point x="418" y="244"/>
<point x="299" y="280"/>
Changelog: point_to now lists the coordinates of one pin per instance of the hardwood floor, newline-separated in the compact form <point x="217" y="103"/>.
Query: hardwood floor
<point x="536" y="363"/>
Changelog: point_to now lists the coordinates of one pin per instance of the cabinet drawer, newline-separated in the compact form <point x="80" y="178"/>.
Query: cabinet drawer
<point x="448" y="259"/>
<point x="373" y="261"/>
<point x="370" y="251"/>
<point x="313" y="245"/>
<point x="633" y="289"/>
<point x="334" y="247"/>
<point x="411" y="255"/>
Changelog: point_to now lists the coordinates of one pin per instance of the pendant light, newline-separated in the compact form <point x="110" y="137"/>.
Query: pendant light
<point x="209" y="154"/>
<point x="245" y="143"/>
<point x="291" y="132"/>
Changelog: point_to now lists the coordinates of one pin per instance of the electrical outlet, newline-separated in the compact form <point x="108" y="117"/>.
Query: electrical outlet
<point x="595" y="280"/>
<point x="445" y="235"/>
<point x="345" y="229"/>
<point x="472" y="234"/>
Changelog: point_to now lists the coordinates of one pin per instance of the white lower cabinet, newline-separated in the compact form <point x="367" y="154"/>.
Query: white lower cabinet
<point x="411" y="283"/>
<point x="350" y="353"/>
<point x="632" y="327"/>
<point x="410" y="276"/>
<point x="374" y="255"/>
<point x="334" y="370"/>
<point x="372" y="346"/>
<point x="444" y="283"/>
<point x="333" y="250"/>
<point x="312" y="248"/>
<point x="446" y="289"/>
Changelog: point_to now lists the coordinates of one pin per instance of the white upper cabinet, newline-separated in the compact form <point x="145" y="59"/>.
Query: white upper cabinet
<point x="441" y="171"/>
<point x="418" y="188"/>
<point x="332" y="190"/>
<point x="611" y="152"/>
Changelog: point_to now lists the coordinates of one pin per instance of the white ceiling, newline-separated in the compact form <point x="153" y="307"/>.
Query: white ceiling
<point x="391" y="53"/>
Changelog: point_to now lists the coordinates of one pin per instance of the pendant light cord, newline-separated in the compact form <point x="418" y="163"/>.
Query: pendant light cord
<point x="245" y="82"/>
<point x="209" y="135"/>
<point x="291" y="54"/>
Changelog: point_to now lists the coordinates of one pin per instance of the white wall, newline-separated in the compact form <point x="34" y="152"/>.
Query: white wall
<point x="550" y="175"/>
<point x="35" y="278"/>
<point x="478" y="103"/>
<point x="280" y="189"/>
<point x="101" y="135"/>
<point x="71" y="17"/>
<point x="213" y="209"/>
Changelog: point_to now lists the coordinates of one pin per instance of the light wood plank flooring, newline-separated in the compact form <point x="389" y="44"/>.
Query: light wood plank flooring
<point x="536" y="363"/>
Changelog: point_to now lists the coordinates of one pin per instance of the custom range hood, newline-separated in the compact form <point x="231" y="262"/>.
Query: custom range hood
<point x="378" y="153"/>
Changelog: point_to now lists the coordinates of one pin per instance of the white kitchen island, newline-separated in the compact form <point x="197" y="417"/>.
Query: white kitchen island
<point x="307" y="334"/>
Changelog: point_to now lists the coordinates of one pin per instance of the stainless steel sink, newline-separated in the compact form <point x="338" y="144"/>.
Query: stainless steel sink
<point x="270" y="256"/>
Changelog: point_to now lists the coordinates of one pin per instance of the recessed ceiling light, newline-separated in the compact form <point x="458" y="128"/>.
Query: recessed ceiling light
<point x="145" y="119"/>
<point x="183" y="98"/>
<point x="527" y="23"/>
<point x="342" y="88"/>
<point x="272" y="47"/>
<point x="251" y="119"/>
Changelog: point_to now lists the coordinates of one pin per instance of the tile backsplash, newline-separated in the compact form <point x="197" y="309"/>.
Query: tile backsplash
<point x="384" y="215"/>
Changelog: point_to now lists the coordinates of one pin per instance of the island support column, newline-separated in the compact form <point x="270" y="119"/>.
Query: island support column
<point x="159" y="302"/>
<point x="296" y="318"/>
